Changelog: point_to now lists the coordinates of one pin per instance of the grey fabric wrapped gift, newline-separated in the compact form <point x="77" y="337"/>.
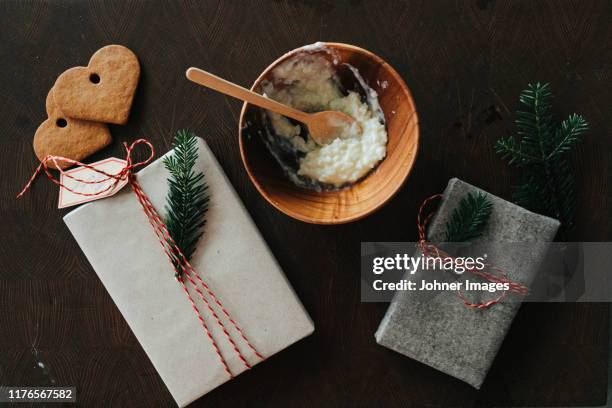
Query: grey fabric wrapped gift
<point x="440" y="330"/>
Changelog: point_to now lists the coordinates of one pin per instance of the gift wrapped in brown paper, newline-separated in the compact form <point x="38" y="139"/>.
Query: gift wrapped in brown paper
<point x="232" y="259"/>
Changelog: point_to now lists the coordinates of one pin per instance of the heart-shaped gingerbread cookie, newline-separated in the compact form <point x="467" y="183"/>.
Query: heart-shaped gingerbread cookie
<point x="61" y="135"/>
<point x="103" y="90"/>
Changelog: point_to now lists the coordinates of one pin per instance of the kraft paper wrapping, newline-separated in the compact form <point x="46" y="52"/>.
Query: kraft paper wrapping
<point x="232" y="258"/>
<point x="440" y="330"/>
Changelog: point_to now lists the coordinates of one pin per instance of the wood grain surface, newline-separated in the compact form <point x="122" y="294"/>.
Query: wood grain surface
<point x="465" y="62"/>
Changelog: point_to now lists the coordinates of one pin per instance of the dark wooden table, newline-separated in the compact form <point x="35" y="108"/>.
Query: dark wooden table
<point x="465" y="62"/>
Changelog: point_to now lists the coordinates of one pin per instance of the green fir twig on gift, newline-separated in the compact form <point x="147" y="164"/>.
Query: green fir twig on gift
<point x="540" y="150"/>
<point x="469" y="218"/>
<point x="187" y="200"/>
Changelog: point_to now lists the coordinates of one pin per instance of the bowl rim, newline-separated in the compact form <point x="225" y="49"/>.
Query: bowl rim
<point x="331" y="221"/>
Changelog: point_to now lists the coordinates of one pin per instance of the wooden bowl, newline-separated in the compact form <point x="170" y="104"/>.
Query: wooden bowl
<point x="368" y="195"/>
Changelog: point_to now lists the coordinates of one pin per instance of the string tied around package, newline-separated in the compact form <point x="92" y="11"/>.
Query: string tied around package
<point x="490" y="272"/>
<point x="184" y="272"/>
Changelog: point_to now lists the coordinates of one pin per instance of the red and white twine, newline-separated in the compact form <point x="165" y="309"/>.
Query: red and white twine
<point x="181" y="265"/>
<point x="498" y="275"/>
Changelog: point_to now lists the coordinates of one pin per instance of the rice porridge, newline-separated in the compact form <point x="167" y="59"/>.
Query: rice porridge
<point x="308" y="82"/>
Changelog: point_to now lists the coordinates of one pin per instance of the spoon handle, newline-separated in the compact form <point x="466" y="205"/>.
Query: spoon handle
<point x="229" y="88"/>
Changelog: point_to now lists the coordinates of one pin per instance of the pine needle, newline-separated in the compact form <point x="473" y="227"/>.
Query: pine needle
<point x="188" y="198"/>
<point x="469" y="218"/>
<point x="547" y="186"/>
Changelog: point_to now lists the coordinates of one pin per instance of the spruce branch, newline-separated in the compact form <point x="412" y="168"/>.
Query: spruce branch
<point x="188" y="198"/>
<point x="547" y="186"/>
<point x="569" y="134"/>
<point x="469" y="218"/>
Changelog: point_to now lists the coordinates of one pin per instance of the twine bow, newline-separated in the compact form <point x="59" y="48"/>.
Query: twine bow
<point x="498" y="275"/>
<point x="122" y="175"/>
<point x="181" y="265"/>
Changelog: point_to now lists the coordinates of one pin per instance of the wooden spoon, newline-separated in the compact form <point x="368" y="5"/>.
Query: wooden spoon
<point x="322" y="126"/>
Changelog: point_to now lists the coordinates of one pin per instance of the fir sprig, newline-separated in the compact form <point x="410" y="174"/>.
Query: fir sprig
<point x="469" y="218"/>
<point x="547" y="186"/>
<point x="187" y="200"/>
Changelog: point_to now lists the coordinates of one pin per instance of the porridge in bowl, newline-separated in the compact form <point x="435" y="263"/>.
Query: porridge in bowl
<point x="311" y="82"/>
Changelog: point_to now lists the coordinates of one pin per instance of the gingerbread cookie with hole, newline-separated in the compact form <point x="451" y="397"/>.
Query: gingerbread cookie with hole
<point x="64" y="136"/>
<point x="102" y="91"/>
